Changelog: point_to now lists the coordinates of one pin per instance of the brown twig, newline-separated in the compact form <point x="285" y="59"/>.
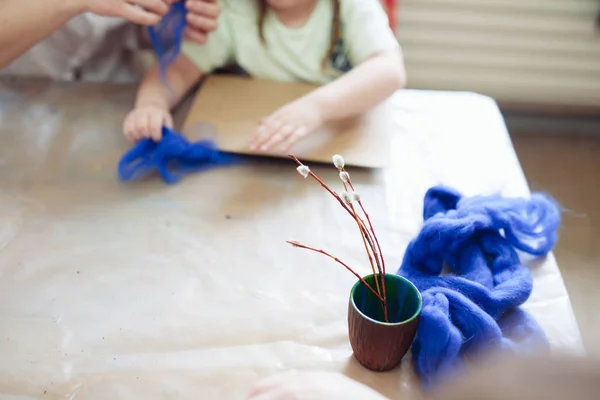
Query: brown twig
<point x="363" y="234"/>
<point x="382" y="293"/>
<point x="315" y="177"/>
<point x="350" y="208"/>
<point x="332" y="192"/>
<point x="302" y="246"/>
<point x="366" y="234"/>
<point x="374" y="235"/>
<point x="379" y="256"/>
<point x="370" y="226"/>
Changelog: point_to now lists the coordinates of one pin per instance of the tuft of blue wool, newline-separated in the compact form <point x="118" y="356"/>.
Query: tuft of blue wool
<point x="172" y="157"/>
<point x="474" y="307"/>
<point x="167" y="36"/>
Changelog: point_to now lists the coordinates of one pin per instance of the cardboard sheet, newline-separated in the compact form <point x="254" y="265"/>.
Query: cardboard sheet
<point x="227" y="109"/>
<point x="148" y="291"/>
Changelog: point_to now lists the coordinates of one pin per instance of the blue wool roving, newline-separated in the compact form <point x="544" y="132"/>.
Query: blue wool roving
<point x="167" y="36"/>
<point x="474" y="307"/>
<point x="173" y="156"/>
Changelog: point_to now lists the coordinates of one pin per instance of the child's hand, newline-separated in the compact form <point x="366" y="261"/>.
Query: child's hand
<point x="287" y="126"/>
<point x="146" y="122"/>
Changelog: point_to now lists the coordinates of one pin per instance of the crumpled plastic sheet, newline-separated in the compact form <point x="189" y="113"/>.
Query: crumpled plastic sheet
<point x="148" y="291"/>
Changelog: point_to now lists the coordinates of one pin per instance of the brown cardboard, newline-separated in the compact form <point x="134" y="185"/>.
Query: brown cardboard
<point x="228" y="108"/>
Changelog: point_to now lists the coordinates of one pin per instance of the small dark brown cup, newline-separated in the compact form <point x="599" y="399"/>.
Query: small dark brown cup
<point x="380" y="345"/>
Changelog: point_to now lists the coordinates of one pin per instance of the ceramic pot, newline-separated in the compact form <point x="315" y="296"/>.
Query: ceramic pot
<point x="380" y="345"/>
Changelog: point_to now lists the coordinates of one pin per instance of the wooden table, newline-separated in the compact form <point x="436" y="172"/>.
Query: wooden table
<point x="147" y="291"/>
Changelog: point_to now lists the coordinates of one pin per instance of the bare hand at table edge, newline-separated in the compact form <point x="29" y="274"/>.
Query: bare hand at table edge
<point x="312" y="386"/>
<point x="288" y="125"/>
<point x="352" y="94"/>
<point x="146" y="122"/>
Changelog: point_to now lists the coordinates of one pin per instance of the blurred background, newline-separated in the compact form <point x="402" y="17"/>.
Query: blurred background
<point x="540" y="60"/>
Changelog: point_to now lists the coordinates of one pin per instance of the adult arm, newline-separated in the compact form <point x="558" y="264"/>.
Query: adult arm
<point x="25" y="23"/>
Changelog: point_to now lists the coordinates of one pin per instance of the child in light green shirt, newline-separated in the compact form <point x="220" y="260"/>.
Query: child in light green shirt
<point x="346" y="46"/>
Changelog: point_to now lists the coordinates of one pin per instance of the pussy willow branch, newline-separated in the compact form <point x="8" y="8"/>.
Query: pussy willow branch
<point x="370" y="225"/>
<point x="368" y="235"/>
<point x="374" y="235"/>
<point x="334" y="194"/>
<point x="302" y="246"/>
<point x="364" y="234"/>
<point x="350" y="209"/>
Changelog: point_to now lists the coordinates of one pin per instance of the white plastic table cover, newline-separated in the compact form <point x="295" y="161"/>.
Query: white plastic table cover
<point x="113" y="290"/>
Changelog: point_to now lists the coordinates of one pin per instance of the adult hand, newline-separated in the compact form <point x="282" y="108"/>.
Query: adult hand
<point x="312" y="386"/>
<point x="202" y="18"/>
<point x="143" y="12"/>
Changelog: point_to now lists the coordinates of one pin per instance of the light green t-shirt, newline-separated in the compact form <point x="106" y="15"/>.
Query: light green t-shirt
<point x="294" y="54"/>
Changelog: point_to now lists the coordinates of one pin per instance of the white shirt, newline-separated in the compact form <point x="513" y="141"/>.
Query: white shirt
<point x="88" y="48"/>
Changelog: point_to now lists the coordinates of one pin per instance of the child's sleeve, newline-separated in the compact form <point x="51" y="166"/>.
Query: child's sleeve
<point x="217" y="52"/>
<point x="366" y="29"/>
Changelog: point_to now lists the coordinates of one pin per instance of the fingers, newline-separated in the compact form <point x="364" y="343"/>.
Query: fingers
<point x="142" y="124"/>
<point x="168" y="120"/>
<point x="158" y="7"/>
<point x="202" y="18"/>
<point x="279" y="136"/>
<point x="195" y="36"/>
<point x="205" y="8"/>
<point x="145" y="12"/>
<point x="268" y="128"/>
<point x="200" y="23"/>
<point x="138" y="15"/>
<point x="265" y="131"/>
<point x="154" y="125"/>
<point x="292" y="139"/>
<point x="129" y="129"/>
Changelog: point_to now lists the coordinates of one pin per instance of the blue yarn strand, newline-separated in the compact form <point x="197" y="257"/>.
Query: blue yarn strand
<point x="475" y="307"/>
<point x="172" y="157"/>
<point x="167" y="36"/>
